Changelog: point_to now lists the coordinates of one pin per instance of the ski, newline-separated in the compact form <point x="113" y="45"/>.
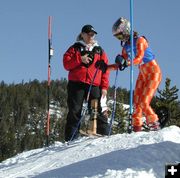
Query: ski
<point x="89" y="134"/>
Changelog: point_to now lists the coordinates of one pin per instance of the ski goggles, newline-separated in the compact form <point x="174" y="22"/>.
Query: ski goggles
<point x="119" y="36"/>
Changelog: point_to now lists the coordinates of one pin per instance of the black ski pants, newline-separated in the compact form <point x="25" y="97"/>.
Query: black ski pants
<point x="77" y="92"/>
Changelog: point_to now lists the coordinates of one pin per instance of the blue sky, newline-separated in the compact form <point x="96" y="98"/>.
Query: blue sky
<point x="24" y="44"/>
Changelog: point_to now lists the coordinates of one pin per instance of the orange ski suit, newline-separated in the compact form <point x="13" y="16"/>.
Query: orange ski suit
<point x="147" y="82"/>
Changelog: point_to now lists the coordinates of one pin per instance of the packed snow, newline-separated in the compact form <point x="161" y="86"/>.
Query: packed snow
<point x="135" y="155"/>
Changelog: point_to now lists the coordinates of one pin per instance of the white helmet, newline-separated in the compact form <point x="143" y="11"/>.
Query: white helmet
<point x="121" y="29"/>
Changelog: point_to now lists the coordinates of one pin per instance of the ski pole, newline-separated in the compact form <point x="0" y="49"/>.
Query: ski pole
<point x="84" y="109"/>
<point x="114" y="103"/>
<point x="50" y="54"/>
<point x="131" y="68"/>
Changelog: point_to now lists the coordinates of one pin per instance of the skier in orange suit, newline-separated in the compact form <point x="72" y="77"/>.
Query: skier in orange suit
<point x="149" y="76"/>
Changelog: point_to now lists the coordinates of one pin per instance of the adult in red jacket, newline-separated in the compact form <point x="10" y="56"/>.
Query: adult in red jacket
<point x="80" y="60"/>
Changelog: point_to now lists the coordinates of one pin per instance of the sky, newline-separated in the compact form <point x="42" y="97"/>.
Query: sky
<point x="136" y="155"/>
<point x="24" y="32"/>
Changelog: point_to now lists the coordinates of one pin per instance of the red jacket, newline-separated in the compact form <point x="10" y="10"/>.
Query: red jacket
<point x="78" y="72"/>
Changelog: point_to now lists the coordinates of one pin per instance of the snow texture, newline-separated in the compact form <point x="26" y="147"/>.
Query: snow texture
<point x="136" y="155"/>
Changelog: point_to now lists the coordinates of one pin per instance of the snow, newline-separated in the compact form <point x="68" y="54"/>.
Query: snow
<point x="136" y="155"/>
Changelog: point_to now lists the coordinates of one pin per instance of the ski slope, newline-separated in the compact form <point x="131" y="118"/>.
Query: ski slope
<point x="136" y="155"/>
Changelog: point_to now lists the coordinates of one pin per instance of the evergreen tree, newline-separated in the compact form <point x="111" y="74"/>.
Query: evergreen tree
<point x="168" y="97"/>
<point x="23" y="113"/>
<point x="120" y="121"/>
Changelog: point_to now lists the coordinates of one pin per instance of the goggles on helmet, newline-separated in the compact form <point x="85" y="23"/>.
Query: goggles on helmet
<point x="122" y="37"/>
<point x="119" y="36"/>
<point x="121" y="29"/>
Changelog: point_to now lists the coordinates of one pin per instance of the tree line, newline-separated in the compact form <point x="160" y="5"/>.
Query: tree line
<point x="23" y="113"/>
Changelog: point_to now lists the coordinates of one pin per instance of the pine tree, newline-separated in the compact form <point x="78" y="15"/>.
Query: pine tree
<point x="120" y="121"/>
<point x="168" y="97"/>
<point x="23" y="113"/>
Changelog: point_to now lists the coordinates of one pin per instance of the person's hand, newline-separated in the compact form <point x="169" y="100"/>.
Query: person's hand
<point x="86" y="59"/>
<point x="121" y="62"/>
<point x="119" y="59"/>
<point x="101" y="65"/>
<point x="104" y="93"/>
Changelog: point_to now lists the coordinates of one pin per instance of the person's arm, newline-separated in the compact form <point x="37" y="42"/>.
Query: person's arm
<point x="104" y="93"/>
<point x="124" y="54"/>
<point x="105" y="76"/>
<point x="141" y="46"/>
<point x="71" y="59"/>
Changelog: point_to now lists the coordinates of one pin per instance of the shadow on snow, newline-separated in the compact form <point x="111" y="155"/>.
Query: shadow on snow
<point x="141" y="158"/>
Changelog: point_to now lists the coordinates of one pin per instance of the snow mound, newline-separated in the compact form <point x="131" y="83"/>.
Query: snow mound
<point x="135" y="155"/>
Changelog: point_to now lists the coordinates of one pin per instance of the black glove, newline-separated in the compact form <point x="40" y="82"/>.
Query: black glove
<point x="101" y="65"/>
<point x="121" y="61"/>
<point x="90" y="55"/>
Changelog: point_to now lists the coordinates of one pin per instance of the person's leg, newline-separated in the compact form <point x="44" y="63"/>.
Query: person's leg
<point x="152" y="84"/>
<point x="137" y="114"/>
<point x="152" y="74"/>
<point x="103" y="126"/>
<point x="102" y="120"/>
<point x="75" y="99"/>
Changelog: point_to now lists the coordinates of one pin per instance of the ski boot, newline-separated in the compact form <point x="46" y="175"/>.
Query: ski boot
<point x="154" y="126"/>
<point x="137" y="128"/>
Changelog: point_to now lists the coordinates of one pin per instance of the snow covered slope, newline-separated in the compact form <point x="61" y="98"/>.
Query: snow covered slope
<point x="136" y="155"/>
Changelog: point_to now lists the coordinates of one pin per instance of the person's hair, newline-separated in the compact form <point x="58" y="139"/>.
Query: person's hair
<point x="79" y="37"/>
<point x="135" y="34"/>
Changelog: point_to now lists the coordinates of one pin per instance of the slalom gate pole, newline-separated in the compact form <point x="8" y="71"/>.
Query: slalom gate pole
<point x="86" y="105"/>
<point x="50" y="54"/>
<point x="114" y="103"/>
<point x="131" y="68"/>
